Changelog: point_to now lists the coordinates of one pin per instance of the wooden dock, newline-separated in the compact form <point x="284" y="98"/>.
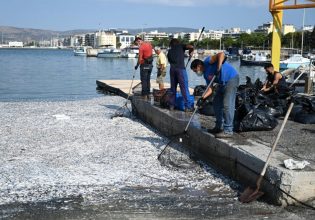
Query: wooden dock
<point x="121" y="87"/>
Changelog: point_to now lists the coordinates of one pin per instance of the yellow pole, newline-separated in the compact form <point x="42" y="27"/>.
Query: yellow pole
<point x="276" y="36"/>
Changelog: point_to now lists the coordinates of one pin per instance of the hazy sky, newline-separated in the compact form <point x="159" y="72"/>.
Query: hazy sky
<point x="93" y="14"/>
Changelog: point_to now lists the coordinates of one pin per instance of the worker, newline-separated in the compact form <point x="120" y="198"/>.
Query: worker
<point x="227" y="80"/>
<point x="145" y="60"/>
<point x="275" y="82"/>
<point x="161" y="64"/>
<point x="178" y="74"/>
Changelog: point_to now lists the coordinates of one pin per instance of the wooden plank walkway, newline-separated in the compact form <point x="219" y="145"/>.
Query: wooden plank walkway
<point x="121" y="87"/>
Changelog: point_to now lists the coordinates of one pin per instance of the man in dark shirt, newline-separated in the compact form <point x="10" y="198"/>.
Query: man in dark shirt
<point x="145" y="61"/>
<point x="178" y="74"/>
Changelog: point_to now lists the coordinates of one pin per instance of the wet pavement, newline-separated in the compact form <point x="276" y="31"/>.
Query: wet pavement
<point x="70" y="160"/>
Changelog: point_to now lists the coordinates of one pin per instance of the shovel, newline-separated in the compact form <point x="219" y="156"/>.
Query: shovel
<point x="251" y="194"/>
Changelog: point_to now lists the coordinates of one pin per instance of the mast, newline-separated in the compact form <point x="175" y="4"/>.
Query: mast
<point x="302" y="43"/>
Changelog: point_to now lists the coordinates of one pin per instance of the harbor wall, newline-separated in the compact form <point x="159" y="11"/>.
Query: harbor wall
<point x="240" y="159"/>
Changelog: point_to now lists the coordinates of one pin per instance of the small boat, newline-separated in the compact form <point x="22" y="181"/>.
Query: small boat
<point x="258" y="59"/>
<point x="298" y="76"/>
<point x="232" y="53"/>
<point x="109" y="53"/>
<point x="294" y="62"/>
<point x="130" y="52"/>
<point x="80" y="51"/>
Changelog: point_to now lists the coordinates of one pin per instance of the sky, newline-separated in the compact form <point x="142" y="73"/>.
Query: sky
<point x="61" y="15"/>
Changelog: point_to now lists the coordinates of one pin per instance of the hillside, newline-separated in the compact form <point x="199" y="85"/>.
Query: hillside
<point x="8" y="33"/>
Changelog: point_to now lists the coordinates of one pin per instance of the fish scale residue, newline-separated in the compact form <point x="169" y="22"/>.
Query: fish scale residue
<point x="43" y="158"/>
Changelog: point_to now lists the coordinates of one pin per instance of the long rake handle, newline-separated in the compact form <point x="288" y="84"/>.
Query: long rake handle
<point x="195" y="45"/>
<point x="213" y="78"/>
<point x="274" y="145"/>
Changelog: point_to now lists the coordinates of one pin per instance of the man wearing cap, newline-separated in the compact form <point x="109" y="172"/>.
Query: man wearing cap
<point x="161" y="63"/>
<point x="227" y="79"/>
<point x="145" y="60"/>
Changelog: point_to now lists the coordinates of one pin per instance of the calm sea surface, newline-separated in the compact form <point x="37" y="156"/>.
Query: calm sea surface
<point x="41" y="74"/>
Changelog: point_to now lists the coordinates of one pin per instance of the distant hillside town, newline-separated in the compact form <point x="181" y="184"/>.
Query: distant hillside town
<point x="219" y="39"/>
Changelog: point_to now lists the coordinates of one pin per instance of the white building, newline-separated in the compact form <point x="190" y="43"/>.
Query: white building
<point x="154" y="34"/>
<point x="15" y="44"/>
<point x="126" y="40"/>
<point x="266" y="28"/>
<point x="288" y="28"/>
<point x="105" y="38"/>
<point x="214" y="35"/>
<point x="309" y="28"/>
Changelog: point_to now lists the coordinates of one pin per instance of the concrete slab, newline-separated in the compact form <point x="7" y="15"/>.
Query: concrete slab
<point x="121" y="87"/>
<point x="242" y="157"/>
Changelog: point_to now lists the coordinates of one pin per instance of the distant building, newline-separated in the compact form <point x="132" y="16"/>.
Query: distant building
<point x="105" y="38"/>
<point x="126" y="40"/>
<point x="90" y="39"/>
<point x="153" y="34"/>
<point x="288" y="28"/>
<point x="214" y="35"/>
<point x="15" y="44"/>
<point x="309" y="28"/>
<point x="266" y="28"/>
<point x="235" y="33"/>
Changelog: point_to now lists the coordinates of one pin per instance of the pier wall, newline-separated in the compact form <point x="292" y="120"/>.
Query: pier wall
<point x="241" y="159"/>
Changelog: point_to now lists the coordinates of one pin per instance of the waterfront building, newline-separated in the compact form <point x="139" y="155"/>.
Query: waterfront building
<point x="288" y="28"/>
<point x="266" y="28"/>
<point x="235" y="33"/>
<point x="309" y="28"/>
<point x="214" y="35"/>
<point x="153" y="34"/>
<point x="126" y="40"/>
<point x="15" y="44"/>
<point x="105" y="38"/>
<point x="90" y="39"/>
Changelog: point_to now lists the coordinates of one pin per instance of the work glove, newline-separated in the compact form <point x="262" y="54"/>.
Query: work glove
<point x="136" y="67"/>
<point x="200" y="102"/>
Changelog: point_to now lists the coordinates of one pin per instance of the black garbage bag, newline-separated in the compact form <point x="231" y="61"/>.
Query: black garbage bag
<point x="258" y="120"/>
<point x="199" y="90"/>
<point x="304" y="117"/>
<point x="166" y="99"/>
<point x="304" y="110"/>
<point x="207" y="108"/>
<point x="240" y="112"/>
<point x="272" y="111"/>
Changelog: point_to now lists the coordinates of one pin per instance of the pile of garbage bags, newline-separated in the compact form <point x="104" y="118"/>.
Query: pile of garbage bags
<point x="257" y="111"/>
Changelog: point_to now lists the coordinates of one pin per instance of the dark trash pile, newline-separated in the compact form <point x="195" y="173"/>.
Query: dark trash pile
<point x="256" y="111"/>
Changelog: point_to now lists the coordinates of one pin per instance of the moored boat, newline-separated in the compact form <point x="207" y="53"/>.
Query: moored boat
<point x="130" y="52"/>
<point x="109" y="53"/>
<point x="294" y="62"/>
<point x="80" y="51"/>
<point x="258" y="59"/>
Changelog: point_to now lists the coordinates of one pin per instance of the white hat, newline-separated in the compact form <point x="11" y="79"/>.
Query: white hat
<point x="157" y="48"/>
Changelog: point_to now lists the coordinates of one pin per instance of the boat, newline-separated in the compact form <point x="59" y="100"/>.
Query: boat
<point x="110" y="52"/>
<point x="232" y="53"/>
<point x="80" y="51"/>
<point x="130" y="52"/>
<point x="294" y="62"/>
<point x="297" y="76"/>
<point x="91" y="52"/>
<point x="258" y="59"/>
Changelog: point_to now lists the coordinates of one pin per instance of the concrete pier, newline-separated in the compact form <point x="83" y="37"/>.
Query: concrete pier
<point x="241" y="157"/>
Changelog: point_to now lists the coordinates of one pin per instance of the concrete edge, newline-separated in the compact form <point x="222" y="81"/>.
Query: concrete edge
<point x="241" y="162"/>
